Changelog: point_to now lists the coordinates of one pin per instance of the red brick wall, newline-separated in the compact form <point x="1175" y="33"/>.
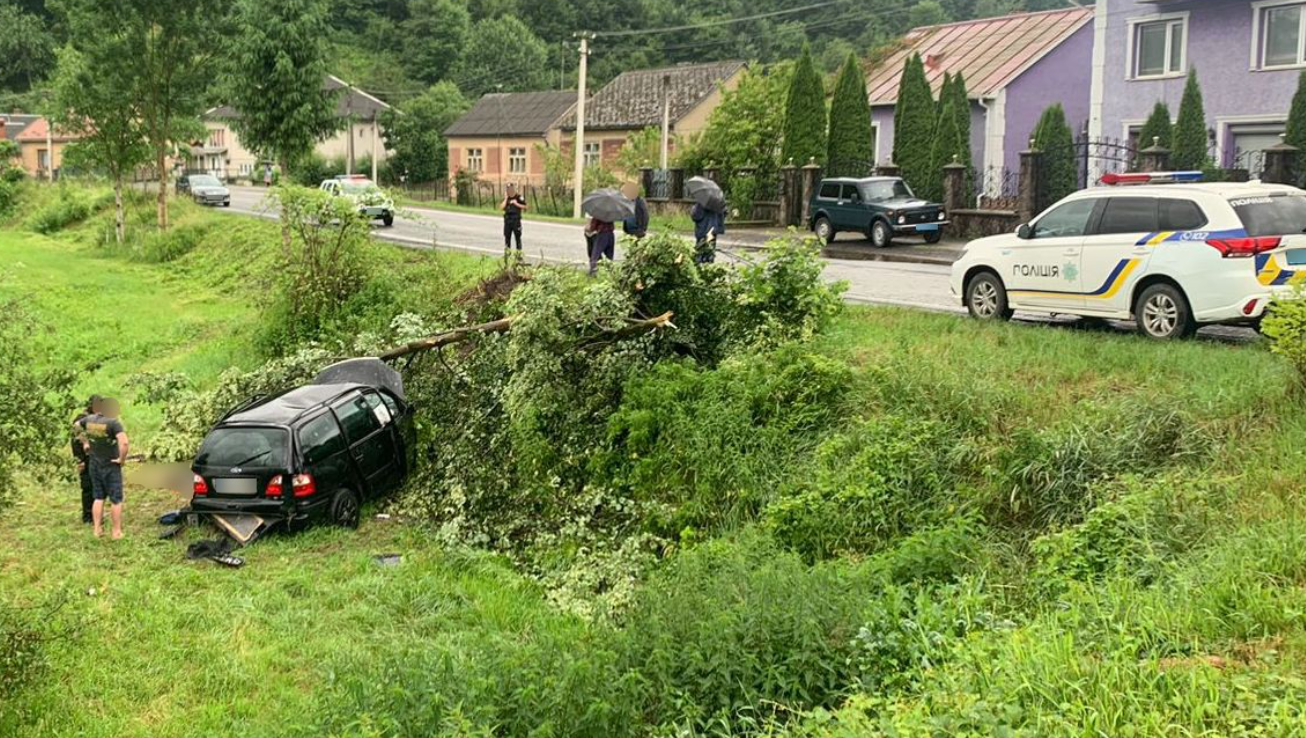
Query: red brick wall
<point x="608" y="152"/>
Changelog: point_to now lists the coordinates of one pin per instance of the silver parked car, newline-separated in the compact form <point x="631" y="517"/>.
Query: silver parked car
<point x="205" y="189"/>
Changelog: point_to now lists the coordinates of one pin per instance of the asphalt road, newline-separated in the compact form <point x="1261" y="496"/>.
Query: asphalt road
<point x="922" y="286"/>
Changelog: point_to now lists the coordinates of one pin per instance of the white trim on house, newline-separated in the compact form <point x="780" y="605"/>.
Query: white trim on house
<point x="1131" y="27"/>
<point x="1128" y="123"/>
<point x="875" y="130"/>
<point x="1097" y="90"/>
<point x="1258" y="47"/>
<point x="995" y="132"/>
<point x="1224" y="122"/>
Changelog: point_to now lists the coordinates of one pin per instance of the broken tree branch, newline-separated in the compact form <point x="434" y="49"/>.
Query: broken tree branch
<point x="633" y="327"/>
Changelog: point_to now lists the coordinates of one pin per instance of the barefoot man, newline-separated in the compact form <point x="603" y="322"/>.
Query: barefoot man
<point x="105" y="442"/>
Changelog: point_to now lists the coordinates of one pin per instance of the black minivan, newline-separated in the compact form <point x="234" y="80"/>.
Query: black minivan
<point x="313" y="452"/>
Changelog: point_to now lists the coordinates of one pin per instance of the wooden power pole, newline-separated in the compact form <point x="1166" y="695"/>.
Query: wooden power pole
<point x="578" y="178"/>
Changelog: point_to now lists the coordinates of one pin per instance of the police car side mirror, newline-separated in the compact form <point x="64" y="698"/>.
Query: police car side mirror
<point x="1024" y="231"/>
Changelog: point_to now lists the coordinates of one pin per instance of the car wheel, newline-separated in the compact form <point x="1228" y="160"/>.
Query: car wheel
<point x="881" y="234"/>
<point x="1162" y="312"/>
<point x="986" y="298"/>
<point x="933" y="236"/>
<point x="346" y="509"/>
<point x="824" y="230"/>
<point x="226" y="204"/>
<point x="388" y="219"/>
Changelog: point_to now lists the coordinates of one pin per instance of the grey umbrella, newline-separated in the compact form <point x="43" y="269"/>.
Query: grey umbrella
<point x="705" y="192"/>
<point x="608" y="205"/>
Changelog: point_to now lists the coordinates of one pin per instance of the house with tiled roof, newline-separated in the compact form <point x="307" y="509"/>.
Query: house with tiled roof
<point x="1014" y="67"/>
<point x="40" y="148"/>
<point x="500" y="137"/>
<point x="635" y="100"/>
<point x="360" y="136"/>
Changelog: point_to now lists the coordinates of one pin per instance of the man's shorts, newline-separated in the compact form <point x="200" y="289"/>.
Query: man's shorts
<point x="106" y="481"/>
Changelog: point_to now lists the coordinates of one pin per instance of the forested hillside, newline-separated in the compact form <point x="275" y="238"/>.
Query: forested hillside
<point x="399" y="48"/>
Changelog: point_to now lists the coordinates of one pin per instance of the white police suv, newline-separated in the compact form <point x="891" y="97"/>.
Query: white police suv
<point x="1170" y="252"/>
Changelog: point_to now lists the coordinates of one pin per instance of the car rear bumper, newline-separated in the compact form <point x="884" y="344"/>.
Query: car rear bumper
<point x="297" y="511"/>
<point x="375" y="212"/>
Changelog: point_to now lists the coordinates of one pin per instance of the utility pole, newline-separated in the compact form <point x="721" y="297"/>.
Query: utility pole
<point x="376" y="133"/>
<point x="578" y="177"/>
<point x="498" y="137"/>
<point x="666" y="119"/>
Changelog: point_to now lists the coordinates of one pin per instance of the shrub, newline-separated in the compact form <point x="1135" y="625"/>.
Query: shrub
<point x="38" y="418"/>
<point x="160" y="247"/>
<point x="1285" y="326"/>
<point x="13" y="175"/>
<point x="1189" y="135"/>
<point x="8" y="196"/>
<point x="783" y="297"/>
<point x="71" y="206"/>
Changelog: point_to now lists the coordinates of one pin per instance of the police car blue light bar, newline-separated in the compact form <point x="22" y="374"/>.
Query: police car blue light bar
<point x="1151" y="178"/>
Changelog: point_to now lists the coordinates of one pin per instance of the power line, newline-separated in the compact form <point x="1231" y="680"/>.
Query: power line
<point x="709" y="24"/>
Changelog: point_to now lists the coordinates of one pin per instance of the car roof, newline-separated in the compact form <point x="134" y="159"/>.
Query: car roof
<point x="859" y="180"/>
<point x="1218" y="189"/>
<point x="288" y="407"/>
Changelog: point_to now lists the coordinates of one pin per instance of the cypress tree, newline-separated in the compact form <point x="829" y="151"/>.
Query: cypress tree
<point x="913" y="137"/>
<point x="1052" y="136"/>
<point x="851" y="135"/>
<point x="1295" y="132"/>
<point x="1189" y="149"/>
<point x="947" y="144"/>
<point x="1156" y="128"/>
<point x="804" y="128"/>
<point x="961" y="109"/>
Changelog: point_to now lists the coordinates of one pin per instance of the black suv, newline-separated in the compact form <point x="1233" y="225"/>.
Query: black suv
<point x="880" y="207"/>
<point x="314" y="452"/>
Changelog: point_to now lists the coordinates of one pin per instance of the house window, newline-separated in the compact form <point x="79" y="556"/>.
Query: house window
<point x="216" y="137"/>
<point x="1281" y="33"/>
<point x="1159" y="47"/>
<point x="475" y="159"/>
<point x="42" y="159"/>
<point x="592" y="155"/>
<point x="517" y="160"/>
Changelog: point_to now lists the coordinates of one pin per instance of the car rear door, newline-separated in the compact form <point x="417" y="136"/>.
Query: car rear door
<point x="324" y="453"/>
<point x="1115" y="254"/>
<point x="371" y="445"/>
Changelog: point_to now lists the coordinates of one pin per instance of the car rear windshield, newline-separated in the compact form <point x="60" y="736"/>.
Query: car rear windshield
<point x="355" y="187"/>
<point x="234" y="447"/>
<point x="1276" y="215"/>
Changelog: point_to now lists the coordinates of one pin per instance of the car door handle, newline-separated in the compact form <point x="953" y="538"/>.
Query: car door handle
<point x="1071" y="252"/>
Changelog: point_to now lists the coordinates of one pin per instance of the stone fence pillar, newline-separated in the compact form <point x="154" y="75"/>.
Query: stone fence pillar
<point x="887" y="169"/>
<point x="1154" y="158"/>
<point x="646" y="181"/>
<point x="791" y="193"/>
<point x="711" y="172"/>
<point x="811" y="180"/>
<point x="954" y="186"/>
<point x="675" y="183"/>
<point x="1031" y="171"/>
<point x="1281" y="165"/>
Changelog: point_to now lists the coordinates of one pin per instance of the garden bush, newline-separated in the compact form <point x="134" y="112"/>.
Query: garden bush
<point x="38" y="403"/>
<point x="158" y="247"/>
<point x="1285" y="326"/>
<point x="71" y="205"/>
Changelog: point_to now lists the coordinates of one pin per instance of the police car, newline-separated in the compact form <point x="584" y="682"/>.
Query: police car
<point x="1168" y="251"/>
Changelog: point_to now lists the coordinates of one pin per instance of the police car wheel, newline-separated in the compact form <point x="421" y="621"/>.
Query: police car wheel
<point x="824" y="230"/>
<point x="986" y="298"/>
<point x="881" y="234"/>
<point x="1162" y="312"/>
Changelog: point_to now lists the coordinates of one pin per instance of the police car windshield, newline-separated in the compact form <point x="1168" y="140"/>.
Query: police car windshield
<point x="1277" y="215"/>
<point x="886" y="190"/>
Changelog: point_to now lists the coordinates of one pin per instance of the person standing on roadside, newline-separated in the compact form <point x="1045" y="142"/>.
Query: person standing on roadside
<point x="104" y="439"/>
<point x="636" y="226"/>
<point x="602" y="239"/>
<point x="83" y="459"/>
<point x="708" y="224"/>
<point x="513" y="206"/>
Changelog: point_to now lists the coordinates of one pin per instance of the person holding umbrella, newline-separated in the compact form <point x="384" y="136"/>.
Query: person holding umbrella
<point x="709" y="216"/>
<point x="635" y="226"/>
<point x="605" y="207"/>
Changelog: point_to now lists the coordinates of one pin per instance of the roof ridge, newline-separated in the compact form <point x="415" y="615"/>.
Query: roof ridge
<point x="991" y="19"/>
<point x="693" y="65"/>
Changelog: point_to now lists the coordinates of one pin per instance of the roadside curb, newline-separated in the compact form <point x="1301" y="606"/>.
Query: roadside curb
<point x="900" y="255"/>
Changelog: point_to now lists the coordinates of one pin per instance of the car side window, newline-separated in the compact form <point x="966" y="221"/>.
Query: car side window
<point x="1067" y="219"/>
<point x="356" y="418"/>
<point x="1180" y="215"/>
<point x="1128" y="215"/>
<point x="851" y="194"/>
<point x="379" y="409"/>
<point x="320" y="439"/>
<point x="829" y="191"/>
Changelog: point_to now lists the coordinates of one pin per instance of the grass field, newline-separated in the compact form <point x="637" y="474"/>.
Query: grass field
<point x="1114" y="543"/>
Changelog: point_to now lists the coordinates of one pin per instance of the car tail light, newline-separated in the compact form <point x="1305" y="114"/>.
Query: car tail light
<point x="304" y="485"/>
<point x="200" y="488"/>
<point x="1244" y="247"/>
<point x="274" y="487"/>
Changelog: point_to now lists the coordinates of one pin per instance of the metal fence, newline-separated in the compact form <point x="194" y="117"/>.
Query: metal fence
<point x="994" y="188"/>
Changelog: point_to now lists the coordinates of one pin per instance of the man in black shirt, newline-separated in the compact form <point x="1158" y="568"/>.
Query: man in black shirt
<point x="105" y="442"/>
<point x="83" y="460"/>
<point x="513" y="206"/>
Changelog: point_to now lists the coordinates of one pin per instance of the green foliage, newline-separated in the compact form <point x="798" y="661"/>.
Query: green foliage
<point x="71" y="205"/>
<point x="927" y="13"/>
<point x="805" y="115"/>
<point x="26" y="634"/>
<point x="174" y="243"/>
<point x="1157" y="128"/>
<point x="745" y="130"/>
<point x="434" y="35"/>
<point x="851" y="137"/>
<point x="1058" y="176"/>
<point x="915" y="118"/>
<point x="1285" y="326"/>
<point x="414" y="132"/>
<point x="948" y="148"/>
<point x="1295" y="130"/>
<point x="642" y="148"/>
<point x="9" y="150"/>
<point x="27" y="46"/>
<point x="277" y="66"/>
<point x="502" y="51"/>
<point x="1190" y="142"/>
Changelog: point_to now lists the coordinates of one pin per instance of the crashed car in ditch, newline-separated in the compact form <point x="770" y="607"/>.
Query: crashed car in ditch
<point x="316" y="452"/>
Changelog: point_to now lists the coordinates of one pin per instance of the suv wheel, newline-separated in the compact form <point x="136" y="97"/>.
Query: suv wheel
<point x="933" y="236"/>
<point x="1163" y="312"/>
<point x="986" y="298"/>
<point x="346" y="510"/>
<point x="881" y="234"/>
<point x="824" y="230"/>
<point x="388" y="219"/>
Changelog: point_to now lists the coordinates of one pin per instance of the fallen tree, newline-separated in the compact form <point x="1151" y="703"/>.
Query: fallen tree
<point x="632" y="327"/>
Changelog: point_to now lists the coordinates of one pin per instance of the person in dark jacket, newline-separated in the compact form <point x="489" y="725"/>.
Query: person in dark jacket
<point x="602" y="238"/>
<point x="513" y="206"/>
<point x="708" y="224"/>
<point x="83" y="459"/>
<point x="636" y="226"/>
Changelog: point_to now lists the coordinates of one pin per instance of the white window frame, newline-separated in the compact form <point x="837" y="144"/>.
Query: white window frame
<point x="517" y="160"/>
<point x="1131" y="48"/>
<point x="1260" y="35"/>
<point x="476" y="160"/>
<point x="592" y="154"/>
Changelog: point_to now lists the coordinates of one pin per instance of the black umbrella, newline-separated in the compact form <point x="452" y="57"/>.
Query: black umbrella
<point x="369" y="371"/>
<point x="705" y="192"/>
<point x="608" y="205"/>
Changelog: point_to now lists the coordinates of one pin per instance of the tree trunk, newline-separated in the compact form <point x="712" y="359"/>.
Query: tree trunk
<point x="119" y="220"/>
<point x="633" y="327"/>
<point x="285" y="227"/>
<point x="161" y="160"/>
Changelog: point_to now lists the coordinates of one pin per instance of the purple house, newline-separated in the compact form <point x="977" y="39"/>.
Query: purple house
<point x="1014" y="66"/>
<point x="1247" y="53"/>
